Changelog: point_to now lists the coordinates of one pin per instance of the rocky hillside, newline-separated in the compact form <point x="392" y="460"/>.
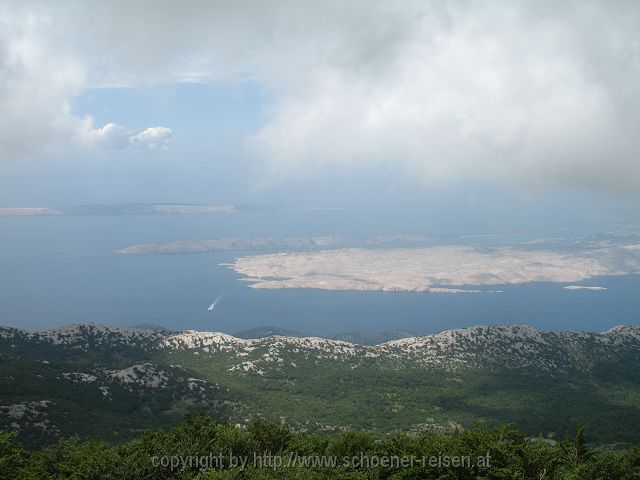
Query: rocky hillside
<point x="89" y="379"/>
<point x="513" y="346"/>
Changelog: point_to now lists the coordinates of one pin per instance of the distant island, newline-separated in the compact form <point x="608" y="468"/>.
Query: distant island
<point x="122" y="209"/>
<point x="583" y="287"/>
<point x="271" y="243"/>
<point x="28" y="211"/>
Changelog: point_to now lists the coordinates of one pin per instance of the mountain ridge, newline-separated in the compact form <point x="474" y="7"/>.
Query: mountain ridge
<point x="138" y="331"/>
<point x="91" y="379"/>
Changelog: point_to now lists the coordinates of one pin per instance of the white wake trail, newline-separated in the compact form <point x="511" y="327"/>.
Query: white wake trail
<point x="215" y="302"/>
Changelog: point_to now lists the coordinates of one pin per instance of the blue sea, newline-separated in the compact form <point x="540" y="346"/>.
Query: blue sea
<point x="63" y="269"/>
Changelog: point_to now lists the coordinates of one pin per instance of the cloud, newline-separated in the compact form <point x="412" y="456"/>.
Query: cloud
<point x="532" y="92"/>
<point x="36" y="81"/>
<point x="113" y="136"/>
<point x="477" y="92"/>
<point x="39" y="75"/>
<point x="153" y="137"/>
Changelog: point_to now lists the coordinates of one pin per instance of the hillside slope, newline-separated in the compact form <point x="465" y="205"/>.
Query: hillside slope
<point x="111" y="382"/>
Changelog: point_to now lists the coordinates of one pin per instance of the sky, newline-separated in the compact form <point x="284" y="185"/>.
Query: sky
<point x="502" y="114"/>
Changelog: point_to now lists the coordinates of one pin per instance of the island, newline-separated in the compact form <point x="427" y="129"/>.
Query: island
<point x="438" y="269"/>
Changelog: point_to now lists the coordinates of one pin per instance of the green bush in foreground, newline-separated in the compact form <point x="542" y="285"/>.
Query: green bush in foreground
<point x="201" y="449"/>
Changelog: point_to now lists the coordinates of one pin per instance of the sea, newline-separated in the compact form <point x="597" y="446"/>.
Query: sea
<point x="58" y="270"/>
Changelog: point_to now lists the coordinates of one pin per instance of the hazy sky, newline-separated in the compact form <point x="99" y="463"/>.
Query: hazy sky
<point x="508" y="109"/>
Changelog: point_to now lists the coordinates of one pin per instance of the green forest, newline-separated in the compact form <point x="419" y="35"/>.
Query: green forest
<point x="201" y="448"/>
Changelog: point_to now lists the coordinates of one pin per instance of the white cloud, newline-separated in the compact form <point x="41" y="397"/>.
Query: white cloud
<point x="532" y="91"/>
<point x="36" y="81"/>
<point x="39" y="75"/>
<point x="153" y="137"/>
<point x="479" y="92"/>
<point x="113" y="135"/>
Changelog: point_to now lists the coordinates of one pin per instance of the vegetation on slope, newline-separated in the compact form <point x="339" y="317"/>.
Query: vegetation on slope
<point x="202" y="449"/>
